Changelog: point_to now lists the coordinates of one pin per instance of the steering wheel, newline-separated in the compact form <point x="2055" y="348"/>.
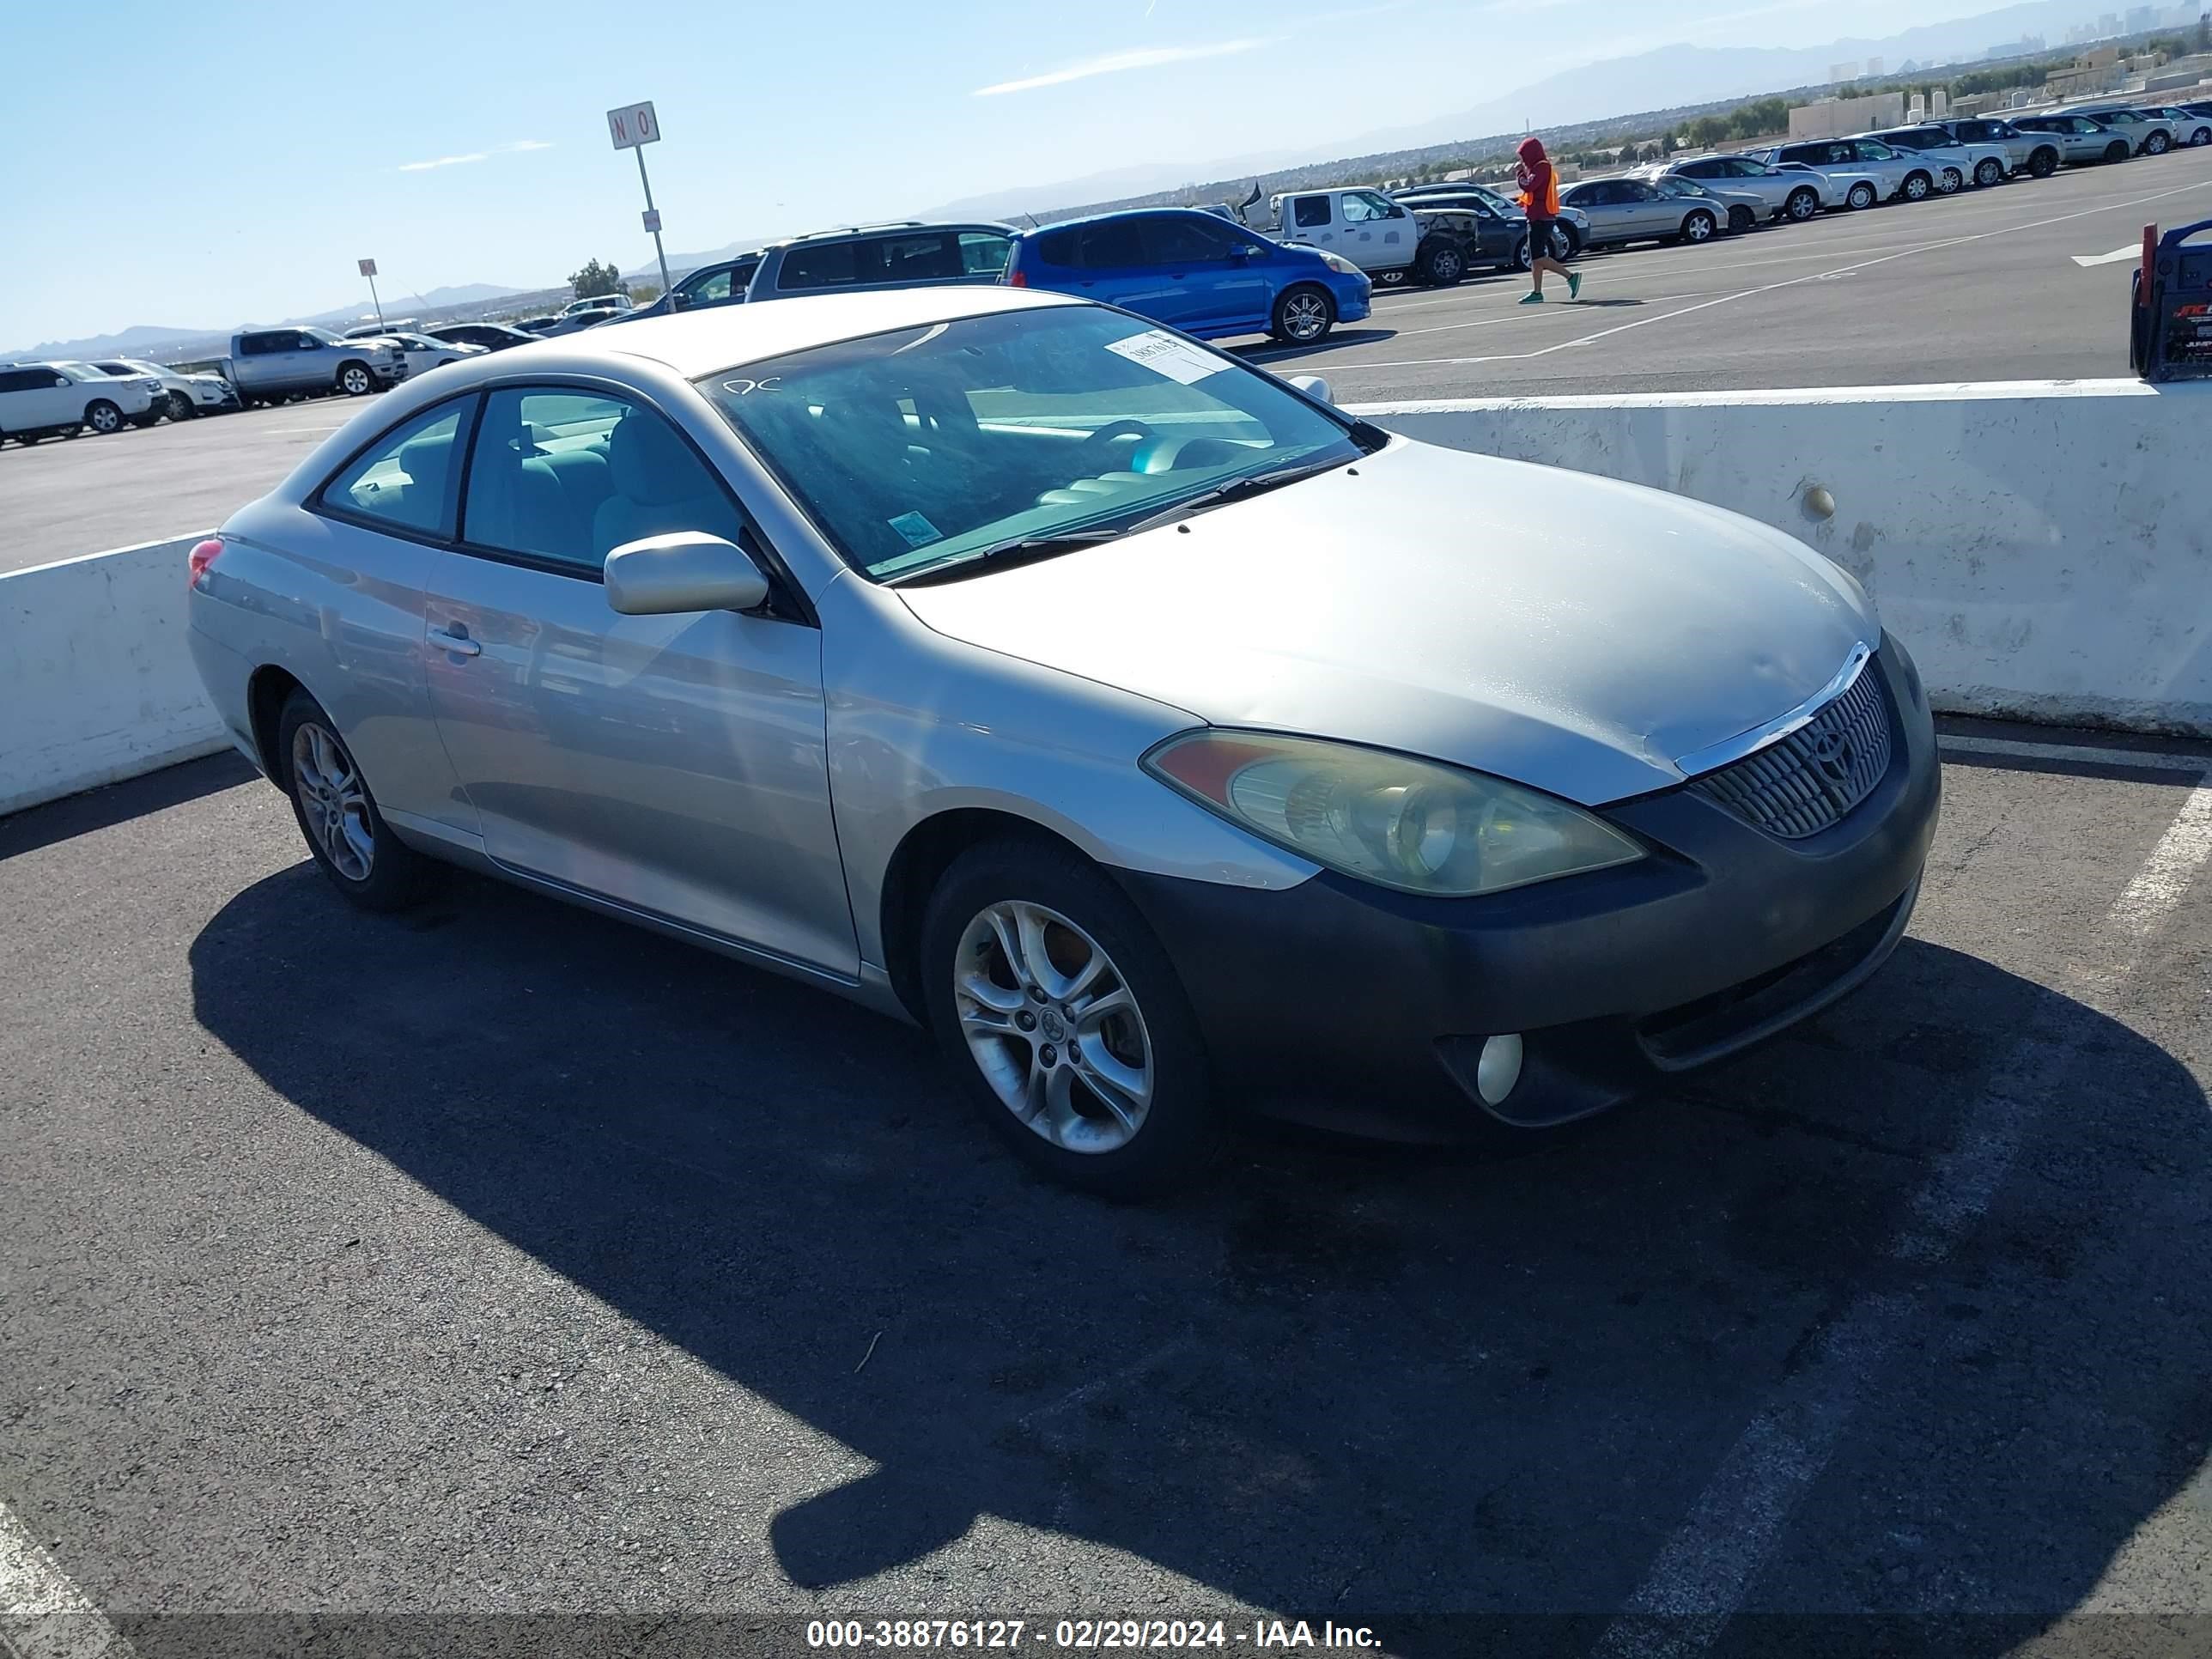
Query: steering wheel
<point x="1097" y="453"/>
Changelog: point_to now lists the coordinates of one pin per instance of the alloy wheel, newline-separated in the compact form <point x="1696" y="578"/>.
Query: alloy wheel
<point x="1305" y="317"/>
<point x="1053" y="1027"/>
<point x="332" y="802"/>
<point x="104" y="417"/>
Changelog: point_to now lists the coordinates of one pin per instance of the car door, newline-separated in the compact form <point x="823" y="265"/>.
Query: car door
<point x="1760" y="180"/>
<point x="1646" y="210"/>
<point x="1311" y="220"/>
<point x="1116" y="267"/>
<point x="1596" y="201"/>
<point x="674" y="765"/>
<point x="1209" y="287"/>
<point x="1380" y="234"/>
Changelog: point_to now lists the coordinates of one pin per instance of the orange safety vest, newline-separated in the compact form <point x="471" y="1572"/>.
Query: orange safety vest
<point x="1550" y="206"/>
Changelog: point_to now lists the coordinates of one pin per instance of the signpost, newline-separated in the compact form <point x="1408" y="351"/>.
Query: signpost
<point x="368" y="270"/>
<point x="634" y="127"/>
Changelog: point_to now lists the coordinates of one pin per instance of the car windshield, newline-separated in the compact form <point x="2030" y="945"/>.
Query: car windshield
<point x="928" y="448"/>
<point x="81" y="372"/>
<point x="322" y="334"/>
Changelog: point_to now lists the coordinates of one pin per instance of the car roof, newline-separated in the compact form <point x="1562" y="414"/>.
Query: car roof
<point x="694" y="343"/>
<point x="1122" y="213"/>
<point x="863" y="232"/>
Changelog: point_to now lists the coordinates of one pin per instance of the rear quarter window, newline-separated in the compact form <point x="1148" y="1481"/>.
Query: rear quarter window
<point x="1056" y="247"/>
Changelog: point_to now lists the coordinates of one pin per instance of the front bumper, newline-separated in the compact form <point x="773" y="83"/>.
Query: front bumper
<point x="1340" y="1003"/>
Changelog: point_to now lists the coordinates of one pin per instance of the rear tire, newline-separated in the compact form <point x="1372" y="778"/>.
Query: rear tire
<point x="2044" y="162"/>
<point x="345" y="833"/>
<point x="1303" y="315"/>
<point x="1148" y="1058"/>
<point x="102" y="416"/>
<point x="1802" y="204"/>
<point x="1862" y="196"/>
<point x="1989" y="171"/>
<point x="354" y="381"/>
<point x="151" y="417"/>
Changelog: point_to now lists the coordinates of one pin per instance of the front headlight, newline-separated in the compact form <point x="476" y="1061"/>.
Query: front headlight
<point x="1339" y="264"/>
<point x="1415" y="825"/>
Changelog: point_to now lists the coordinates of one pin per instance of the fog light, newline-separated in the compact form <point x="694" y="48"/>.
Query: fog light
<point x="1498" y="1069"/>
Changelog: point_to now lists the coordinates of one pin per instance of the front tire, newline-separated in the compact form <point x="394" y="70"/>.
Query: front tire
<point x="355" y="381"/>
<point x="1741" y="219"/>
<point x="2117" y="151"/>
<point x="1442" y="266"/>
<point x="1303" y="315"/>
<point x="182" y="408"/>
<point x="1952" y="182"/>
<point x="102" y="416"/>
<point x="1989" y="171"/>
<point x="1917" y="186"/>
<point x="1698" y="226"/>
<point x="1049" y="994"/>
<point x="345" y="833"/>
<point x="2044" y="162"/>
<point x="151" y="417"/>
<point x="2157" y="144"/>
<point x="1802" y="204"/>
<point x="2203" y="136"/>
<point x="1861" y="197"/>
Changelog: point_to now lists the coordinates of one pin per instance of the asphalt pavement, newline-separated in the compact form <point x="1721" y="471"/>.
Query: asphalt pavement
<point x="360" y="1273"/>
<point x="1981" y="286"/>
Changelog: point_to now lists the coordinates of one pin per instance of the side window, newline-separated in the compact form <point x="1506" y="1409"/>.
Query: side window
<point x="925" y="258"/>
<point x="1112" y="245"/>
<point x="1358" y="209"/>
<point x="407" y="479"/>
<point x="983" y="254"/>
<point x="563" y="477"/>
<point x="1057" y="247"/>
<point x="20" y="380"/>
<point x="1308" y="212"/>
<point x="1703" y="169"/>
<point x="1181" y="242"/>
<point x="712" y="291"/>
<point x="827" y="265"/>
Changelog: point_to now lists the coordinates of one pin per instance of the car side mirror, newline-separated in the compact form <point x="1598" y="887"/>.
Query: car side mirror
<point x="683" y="571"/>
<point x="1313" y="386"/>
<point x="679" y="303"/>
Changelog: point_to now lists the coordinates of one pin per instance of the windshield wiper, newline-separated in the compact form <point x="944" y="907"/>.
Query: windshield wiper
<point x="1002" y="554"/>
<point x="1252" y="483"/>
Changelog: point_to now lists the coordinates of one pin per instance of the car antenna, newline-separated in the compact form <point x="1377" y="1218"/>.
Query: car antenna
<point x="1031" y="217"/>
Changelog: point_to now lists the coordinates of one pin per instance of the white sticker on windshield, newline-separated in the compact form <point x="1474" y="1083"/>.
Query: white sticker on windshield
<point x="917" y="530"/>
<point x="1163" y="354"/>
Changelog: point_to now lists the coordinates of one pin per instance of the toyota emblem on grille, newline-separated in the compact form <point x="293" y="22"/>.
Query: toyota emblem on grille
<point x="1833" y="753"/>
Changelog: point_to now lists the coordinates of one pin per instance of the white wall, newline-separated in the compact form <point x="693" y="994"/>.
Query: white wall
<point x="96" y="683"/>
<point x="2041" y="547"/>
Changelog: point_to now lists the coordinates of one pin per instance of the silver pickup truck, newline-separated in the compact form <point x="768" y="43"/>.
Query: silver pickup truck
<point x="268" y="365"/>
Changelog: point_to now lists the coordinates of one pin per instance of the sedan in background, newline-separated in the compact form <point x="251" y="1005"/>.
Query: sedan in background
<point x="1904" y="175"/>
<point x="2192" y="126"/>
<point x="1963" y="164"/>
<point x="1164" y="740"/>
<point x="2079" y="138"/>
<point x="2147" y="134"/>
<point x="1185" y="268"/>
<point x="422" y="354"/>
<point x="492" y="336"/>
<point x="1782" y="195"/>
<point x="1740" y="210"/>
<point x="1856" y="190"/>
<point x="1628" y="209"/>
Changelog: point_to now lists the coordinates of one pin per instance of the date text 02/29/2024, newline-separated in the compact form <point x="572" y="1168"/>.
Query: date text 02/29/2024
<point x="1086" y="1634"/>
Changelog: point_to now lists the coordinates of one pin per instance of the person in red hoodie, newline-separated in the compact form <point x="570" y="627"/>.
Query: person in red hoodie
<point x="1539" y="195"/>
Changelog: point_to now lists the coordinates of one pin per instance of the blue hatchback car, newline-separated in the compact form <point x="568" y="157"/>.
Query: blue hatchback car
<point x="1193" y="271"/>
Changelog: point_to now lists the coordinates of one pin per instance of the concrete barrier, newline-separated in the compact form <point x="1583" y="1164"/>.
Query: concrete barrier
<point x="2042" y="547"/>
<point x="96" y="682"/>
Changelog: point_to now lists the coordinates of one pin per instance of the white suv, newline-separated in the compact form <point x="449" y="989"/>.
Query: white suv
<point x="45" y="400"/>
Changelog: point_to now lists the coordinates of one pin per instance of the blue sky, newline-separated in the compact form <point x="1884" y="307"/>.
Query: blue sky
<point x="207" y="164"/>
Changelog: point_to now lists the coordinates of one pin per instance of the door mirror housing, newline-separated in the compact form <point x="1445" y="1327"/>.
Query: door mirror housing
<point x="1313" y="386"/>
<point x="683" y="571"/>
<point x="679" y="301"/>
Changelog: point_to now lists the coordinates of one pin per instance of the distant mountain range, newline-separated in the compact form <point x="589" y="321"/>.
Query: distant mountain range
<point x="143" y="339"/>
<point x="1609" y="89"/>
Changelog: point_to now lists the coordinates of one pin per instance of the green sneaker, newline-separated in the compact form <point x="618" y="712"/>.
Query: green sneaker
<point x="1574" y="285"/>
<point x="1532" y="299"/>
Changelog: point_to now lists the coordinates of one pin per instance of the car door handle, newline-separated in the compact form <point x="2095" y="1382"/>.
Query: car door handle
<point x="459" y="644"/>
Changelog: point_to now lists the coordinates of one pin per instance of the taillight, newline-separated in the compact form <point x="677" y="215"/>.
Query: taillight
<point x="1015" y="278"/>
<point x="202" y="555"/>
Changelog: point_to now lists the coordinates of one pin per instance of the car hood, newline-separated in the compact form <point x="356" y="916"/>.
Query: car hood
<point x="1565" y="631"/>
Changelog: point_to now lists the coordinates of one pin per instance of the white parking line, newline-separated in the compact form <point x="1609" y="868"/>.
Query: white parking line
<point x="2132" y="251"/>
<point x="43" y="1615"/>
<point x="1699" y="1577"/>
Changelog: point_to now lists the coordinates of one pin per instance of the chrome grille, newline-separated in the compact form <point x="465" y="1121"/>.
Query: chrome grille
<point x="1800" y="784"/>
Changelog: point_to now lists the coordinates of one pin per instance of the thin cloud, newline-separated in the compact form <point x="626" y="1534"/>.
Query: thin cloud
<point x="514" y="148"/>
<point x="1118" y="62"/>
